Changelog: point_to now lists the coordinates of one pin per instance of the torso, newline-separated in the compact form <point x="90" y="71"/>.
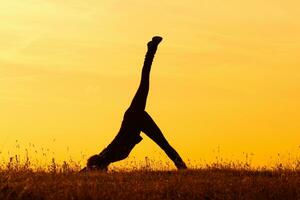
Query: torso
<point x="127" y="137"/>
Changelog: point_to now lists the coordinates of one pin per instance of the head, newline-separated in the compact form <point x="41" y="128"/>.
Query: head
<point x="97" y="162"/>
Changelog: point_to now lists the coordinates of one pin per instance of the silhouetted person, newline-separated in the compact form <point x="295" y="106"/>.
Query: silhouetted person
<point x="135" y="120"/>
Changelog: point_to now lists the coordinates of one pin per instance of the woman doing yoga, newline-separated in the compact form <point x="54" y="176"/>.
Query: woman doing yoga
<point x="135" y="121"/>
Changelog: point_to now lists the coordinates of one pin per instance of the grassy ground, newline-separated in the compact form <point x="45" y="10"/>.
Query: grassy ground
<point x="209" y="183"/>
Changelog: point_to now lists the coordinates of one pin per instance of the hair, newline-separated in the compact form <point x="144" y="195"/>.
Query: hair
<point x="97" y="162"/>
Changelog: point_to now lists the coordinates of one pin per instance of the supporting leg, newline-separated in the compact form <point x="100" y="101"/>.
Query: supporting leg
<point x="152" y="130"/>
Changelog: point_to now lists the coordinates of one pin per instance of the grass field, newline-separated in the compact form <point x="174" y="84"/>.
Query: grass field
<point x="212" y="182"/>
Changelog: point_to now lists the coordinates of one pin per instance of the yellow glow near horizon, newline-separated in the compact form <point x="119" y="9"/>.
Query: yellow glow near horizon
<point x="225" y="76"/>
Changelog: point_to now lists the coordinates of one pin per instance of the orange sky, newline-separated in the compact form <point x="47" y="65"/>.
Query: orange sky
<point x="225" y="77"/>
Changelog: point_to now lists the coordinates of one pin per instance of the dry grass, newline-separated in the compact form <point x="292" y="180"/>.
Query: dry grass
<point x="212" y="182"/>
<point x="22" y="179"/>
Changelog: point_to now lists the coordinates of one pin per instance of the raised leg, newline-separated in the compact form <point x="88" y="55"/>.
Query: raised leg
<point x="140" y="98"/>
<point x="150" y="128"/>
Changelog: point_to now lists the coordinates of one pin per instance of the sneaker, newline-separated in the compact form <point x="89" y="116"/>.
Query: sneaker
<point x="152" y="45"/>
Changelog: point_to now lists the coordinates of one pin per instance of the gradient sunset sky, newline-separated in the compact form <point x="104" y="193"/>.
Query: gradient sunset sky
<point x="225" y="80"/>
